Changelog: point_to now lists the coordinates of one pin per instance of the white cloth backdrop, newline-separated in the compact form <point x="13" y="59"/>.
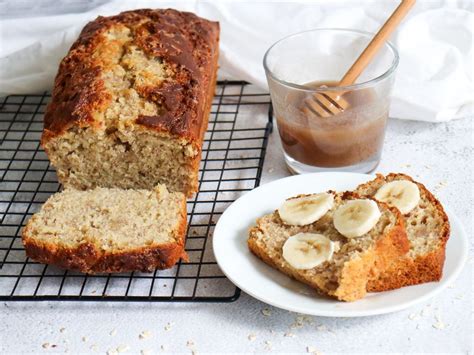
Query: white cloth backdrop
<point x="434" y="81"/>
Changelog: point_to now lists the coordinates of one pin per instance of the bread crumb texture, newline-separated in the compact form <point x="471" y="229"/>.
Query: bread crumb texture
<point x="105" y="230"/>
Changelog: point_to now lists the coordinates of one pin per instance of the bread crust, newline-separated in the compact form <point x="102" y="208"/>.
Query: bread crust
<point x="408" y="271"/>
<point x="356" y="273"/>
<point x="87" y="258"/>
<point x="186" y="42"/>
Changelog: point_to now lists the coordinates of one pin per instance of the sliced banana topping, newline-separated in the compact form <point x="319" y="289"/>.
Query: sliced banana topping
<point x="402" y="194"/>
<point x="306" y="210"/>
<point x="308" y="250"/>
<point x="356" y="217"/>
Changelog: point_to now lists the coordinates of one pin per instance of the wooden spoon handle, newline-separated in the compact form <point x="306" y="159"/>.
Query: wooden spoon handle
<point x="379" y="39"/>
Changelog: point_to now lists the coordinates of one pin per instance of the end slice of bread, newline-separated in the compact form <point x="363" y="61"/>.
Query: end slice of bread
<point x="427" y="228"/>
<point x="109" y="230"/>
<point x="357" y="261"/>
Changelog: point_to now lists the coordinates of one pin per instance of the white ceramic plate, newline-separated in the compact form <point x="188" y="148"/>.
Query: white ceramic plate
<point x="272" y="287"/>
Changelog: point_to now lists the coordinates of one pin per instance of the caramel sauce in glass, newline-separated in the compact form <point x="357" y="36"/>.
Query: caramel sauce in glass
<point x="348" y="138"/>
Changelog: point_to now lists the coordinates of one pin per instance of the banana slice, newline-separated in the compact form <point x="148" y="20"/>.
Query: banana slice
<point x="402" y="194"/>
<point x="307" y="250"/>
<point x="306" y="210"/>
<point x="356" y="217"/>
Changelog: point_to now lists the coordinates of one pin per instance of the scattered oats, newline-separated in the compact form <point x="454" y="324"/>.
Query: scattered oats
<point x="311" y="350"/>
<point x="321" y="327"/>
<point x="307" y="319"/>
<point x="413" y="316"/>
<point x="439" y="325"/>
<point x="62" y="330"/>
<point x="84" y="339"/>
<point x="272" y="331"/>
<point x="268" y="344"/>
<point x="113" y="332"/>
<point x="252" y="337"/>
<point x="163" y="347"/>
<point x="428" y="167"/>
<point x="145" y="352"/>
<point x="122" y="348"/>
<point x="266" y="312"/>
<point x="46" y="345"/>
<point x="459" y="297"/>
<point x="145" y="334"/>
<point x="168" y="326"/>
<point x="93" y="291"/>
<point x="300" y="321"/>
<point x="94" y="347"/>
<point x="289" y="335"/>
<point x="189" y="343"/>
<point x="271" y="170"/>
<point x="112" y="352"/>
<point x="417" y="326"/>
<point x="452" y="286"/>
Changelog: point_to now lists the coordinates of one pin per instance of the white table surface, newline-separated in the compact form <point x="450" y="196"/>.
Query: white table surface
<point x="440" y="155"/>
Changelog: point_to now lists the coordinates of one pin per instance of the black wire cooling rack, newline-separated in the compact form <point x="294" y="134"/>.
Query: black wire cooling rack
<point x="232" y="161"/>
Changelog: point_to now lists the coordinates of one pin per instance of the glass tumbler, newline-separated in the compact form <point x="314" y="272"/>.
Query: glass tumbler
<point x="304" y="65"/>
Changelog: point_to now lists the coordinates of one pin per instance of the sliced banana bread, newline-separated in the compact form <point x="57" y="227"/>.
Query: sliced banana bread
<point x="109" y="230"/>
<point x="316" y="253"/>
<point x="427" y="228"/>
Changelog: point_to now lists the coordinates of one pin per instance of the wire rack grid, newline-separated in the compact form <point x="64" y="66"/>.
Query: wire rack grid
<point x="232" y="161"/>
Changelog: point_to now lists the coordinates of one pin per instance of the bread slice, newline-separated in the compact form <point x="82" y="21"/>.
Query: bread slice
<point x="357" y="261"/>
<point x="109" y="230"/>
<point x="427" y="228"/>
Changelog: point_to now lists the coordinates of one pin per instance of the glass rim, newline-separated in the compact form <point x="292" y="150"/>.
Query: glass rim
<point x="361" y="85"/>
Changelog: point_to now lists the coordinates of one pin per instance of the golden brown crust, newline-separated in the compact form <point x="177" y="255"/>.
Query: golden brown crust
<point x="187" y="44"/>
<point x="407" y="271"/>
<point x="356" y="273"/>
<point x="205" y="121"/>
<point x="88" y="259"/>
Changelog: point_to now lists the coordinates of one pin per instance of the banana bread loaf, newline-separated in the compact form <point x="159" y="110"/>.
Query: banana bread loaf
<point x="109" y="230"/>
<point x="131" y="102"/>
